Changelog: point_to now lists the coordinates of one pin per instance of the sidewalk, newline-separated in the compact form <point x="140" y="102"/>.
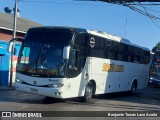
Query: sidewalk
<point x="6" y="88"/>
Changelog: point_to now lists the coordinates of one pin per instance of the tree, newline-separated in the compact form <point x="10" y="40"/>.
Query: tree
<point x="156" y="48"/>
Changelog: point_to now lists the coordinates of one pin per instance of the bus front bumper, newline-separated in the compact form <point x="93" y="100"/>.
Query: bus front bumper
<point x="45" y="91"/>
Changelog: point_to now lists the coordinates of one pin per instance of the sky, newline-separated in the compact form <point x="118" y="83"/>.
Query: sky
<point x="113" y="19"/>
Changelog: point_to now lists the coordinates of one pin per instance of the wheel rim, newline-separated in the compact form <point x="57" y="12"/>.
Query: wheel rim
<point x="89" y="91"/>
<point x="133" y="88"/>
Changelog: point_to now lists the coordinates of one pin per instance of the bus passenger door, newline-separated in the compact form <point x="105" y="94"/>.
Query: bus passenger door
<point x="76" y="65"/>
<point x="73" y="83"/>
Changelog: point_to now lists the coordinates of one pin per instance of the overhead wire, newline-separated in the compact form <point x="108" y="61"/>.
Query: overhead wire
<point x="126" y="22"/>
<point x="60" y="3"/>
<point x="144" y="12"/>
<point x="148" y="13"/>
<point x="133" y="6"/>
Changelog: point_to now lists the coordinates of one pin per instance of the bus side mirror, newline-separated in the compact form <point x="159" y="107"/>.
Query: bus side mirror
<point x="66" y="51"/>
<point x="11" y="43"/>
<point x="9" y="48"/>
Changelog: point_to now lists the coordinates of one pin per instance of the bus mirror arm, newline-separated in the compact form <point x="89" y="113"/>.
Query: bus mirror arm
<point x="11" y="43"/>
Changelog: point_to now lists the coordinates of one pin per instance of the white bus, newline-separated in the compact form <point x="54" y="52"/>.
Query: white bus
<point x="65" y="62"/>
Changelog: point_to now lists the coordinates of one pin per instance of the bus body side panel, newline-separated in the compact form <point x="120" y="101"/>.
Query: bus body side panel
<point x="117" y="76"/>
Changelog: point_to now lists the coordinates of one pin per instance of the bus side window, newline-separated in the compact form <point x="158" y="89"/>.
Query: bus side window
<point x="74" y="59"/>
<point x="125" y="53"/>
<point x="138" y="57"/>
<point x="115" y="53"/>
<point x="132" y="55"/>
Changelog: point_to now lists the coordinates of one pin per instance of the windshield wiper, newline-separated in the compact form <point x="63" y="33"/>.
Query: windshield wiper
<point x="30" y="66"/>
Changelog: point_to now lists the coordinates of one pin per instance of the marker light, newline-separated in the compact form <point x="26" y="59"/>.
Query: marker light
<point x="56" y="85"/>
<point x="19" y="81"/>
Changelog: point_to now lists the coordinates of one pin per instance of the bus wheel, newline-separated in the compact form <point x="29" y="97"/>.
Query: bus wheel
<point x="88" y="92"/>
<point x="134" y="87"/>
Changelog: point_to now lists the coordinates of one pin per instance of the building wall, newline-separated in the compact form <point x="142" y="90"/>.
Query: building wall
<point x="5" y="64"/>
<point x="6" y="35"/>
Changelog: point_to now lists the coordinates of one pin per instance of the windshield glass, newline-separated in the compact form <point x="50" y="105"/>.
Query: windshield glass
<point x="41" y="54"/>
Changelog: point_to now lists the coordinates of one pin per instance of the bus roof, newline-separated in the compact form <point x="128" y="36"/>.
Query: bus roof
<point x="59" y="28"/>
<point x="93" y="32"/>
<point x="114" y="38"/>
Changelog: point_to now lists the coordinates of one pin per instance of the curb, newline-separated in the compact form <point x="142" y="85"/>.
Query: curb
<point x="6" y="88"/>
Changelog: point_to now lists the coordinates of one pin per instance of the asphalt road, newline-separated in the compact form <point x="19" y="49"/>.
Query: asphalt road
<point x="144" y="100"/>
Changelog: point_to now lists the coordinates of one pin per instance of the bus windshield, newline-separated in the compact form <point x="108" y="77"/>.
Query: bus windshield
<point x="41" y="53"/>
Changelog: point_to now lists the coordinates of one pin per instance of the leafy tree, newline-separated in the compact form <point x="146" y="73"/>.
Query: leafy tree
<point x="156" y="48"/>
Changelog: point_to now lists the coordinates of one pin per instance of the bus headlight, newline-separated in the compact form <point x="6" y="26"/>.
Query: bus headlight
<point x="56" y="85"/>
<point x="19" y="81"/>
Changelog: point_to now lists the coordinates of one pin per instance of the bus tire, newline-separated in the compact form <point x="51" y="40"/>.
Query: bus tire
<point x="88" y="92"/>
<point x="133" y="87"/>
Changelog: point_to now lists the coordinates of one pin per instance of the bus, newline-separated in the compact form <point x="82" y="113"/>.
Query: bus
<point x="68" y="62"/>
<point x="155" y="69"/>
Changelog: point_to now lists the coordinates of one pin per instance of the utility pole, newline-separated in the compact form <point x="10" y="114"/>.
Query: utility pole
<point x="14" y="36"/>
<point x="15" y="18"/>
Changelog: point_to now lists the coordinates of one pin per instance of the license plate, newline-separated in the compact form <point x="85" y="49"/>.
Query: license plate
<point x="34" y="90"/>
